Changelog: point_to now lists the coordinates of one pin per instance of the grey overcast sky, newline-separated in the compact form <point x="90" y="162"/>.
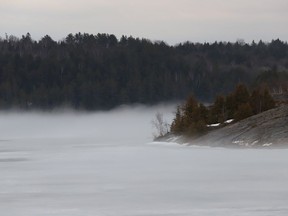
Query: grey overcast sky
<point x="173" y="21"/>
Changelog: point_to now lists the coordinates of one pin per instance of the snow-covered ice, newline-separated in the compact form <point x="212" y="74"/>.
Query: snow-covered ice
<point x="104" y="164"/>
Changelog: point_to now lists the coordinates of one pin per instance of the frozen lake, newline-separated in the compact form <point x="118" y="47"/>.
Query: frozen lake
<point x="104" y="164"/>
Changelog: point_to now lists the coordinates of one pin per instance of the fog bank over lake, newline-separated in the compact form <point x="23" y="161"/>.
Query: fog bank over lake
<point x="123" y="124"/>
<point x="105" y="164"/>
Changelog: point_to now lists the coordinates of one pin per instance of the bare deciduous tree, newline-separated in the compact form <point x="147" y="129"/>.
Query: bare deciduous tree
<point x="161" y="126"/>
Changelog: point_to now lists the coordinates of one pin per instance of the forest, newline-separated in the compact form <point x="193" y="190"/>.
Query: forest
<point x="93" y="72"/>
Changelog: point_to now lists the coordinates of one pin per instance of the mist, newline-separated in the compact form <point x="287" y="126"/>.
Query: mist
<point x="106" y="164"/>
<point x="130" y="124"/>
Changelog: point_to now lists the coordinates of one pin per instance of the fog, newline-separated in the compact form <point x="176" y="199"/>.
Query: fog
<point x="121" y="125"/>
<point x="105" y="164"/>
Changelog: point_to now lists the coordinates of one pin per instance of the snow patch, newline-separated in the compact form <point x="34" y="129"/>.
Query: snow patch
<point x="267" y="144"/>
<point x="214" y="125"/>
<point x="255" y="142"/>
<point x="241" y="143"/>
<point x="229" y="121"/>
<point x="218" y="124"/>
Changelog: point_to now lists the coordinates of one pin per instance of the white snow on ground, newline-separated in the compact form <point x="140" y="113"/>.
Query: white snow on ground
<point x="214" y="125"/>
<point x="229" y="121"/>
<point x="267" y="144"/>
<point x="218" y="124"/>
<point x="100" y="165"/>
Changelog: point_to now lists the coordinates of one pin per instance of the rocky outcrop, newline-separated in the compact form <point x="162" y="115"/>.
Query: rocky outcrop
<point x="267" y="129"/>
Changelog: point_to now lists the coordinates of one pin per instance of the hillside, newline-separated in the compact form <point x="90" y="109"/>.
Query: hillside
<point x="267" y="129"/>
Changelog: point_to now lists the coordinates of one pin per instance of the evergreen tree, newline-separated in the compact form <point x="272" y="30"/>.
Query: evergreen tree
<point x="268" y="101"/>
<point x="244" y="111"/>
<point x="177" y="125"/>
<point x="192" y="120"/>
<point x="218" y="110"/>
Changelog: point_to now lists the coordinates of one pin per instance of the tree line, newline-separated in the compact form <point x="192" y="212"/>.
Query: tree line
<point x="90" y="72"/>
<point x="193" y="118"/>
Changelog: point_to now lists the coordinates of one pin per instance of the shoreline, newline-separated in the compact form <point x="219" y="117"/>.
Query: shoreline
<point x="266" y="130"/>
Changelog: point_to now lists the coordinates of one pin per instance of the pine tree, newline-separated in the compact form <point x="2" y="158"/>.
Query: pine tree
<point x="218" y="110"/>
<point x="191" y="118"/>
<point x="244" y="111"/>
<point x="241" y="94"/>
<point x="190" y="114"/>
<point x="268" y="101"/>
<point x="177" y="124"/>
